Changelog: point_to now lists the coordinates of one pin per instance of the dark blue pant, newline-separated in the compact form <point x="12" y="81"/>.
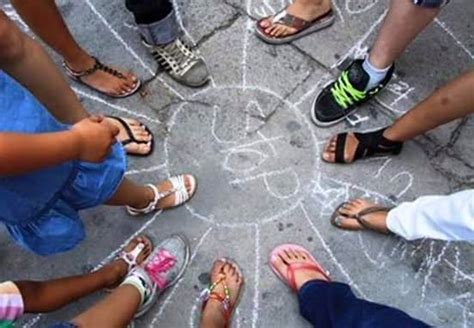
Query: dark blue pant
<point x="332" y="304"/>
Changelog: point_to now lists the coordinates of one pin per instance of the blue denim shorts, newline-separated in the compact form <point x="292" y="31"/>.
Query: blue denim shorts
<point x="431" y="3"/>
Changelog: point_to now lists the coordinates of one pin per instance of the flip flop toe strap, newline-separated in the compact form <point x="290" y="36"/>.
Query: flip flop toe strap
<point x="360" y="217"/>
<point x="289" y="20"/>
<point x="293" y="267"/>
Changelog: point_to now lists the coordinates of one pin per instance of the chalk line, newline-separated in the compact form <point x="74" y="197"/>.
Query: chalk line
<point x="147" y="170"/>
<point x="256" y="295"/>
<point x="114" y="106"/>
<point x="248" y="26"/>
<point x="331" y="254"/>
<point x="313" y="89"/>
<point x="265" y="140"/>
<point x="361" y="10"/>
<point x="460" y="274"/>
<point x="451" y="34"/>
<point x="167" y="301"/>
<point x="338" y="11"/>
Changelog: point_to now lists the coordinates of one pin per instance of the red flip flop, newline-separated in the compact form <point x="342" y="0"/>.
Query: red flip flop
<point x="291" y="282"/>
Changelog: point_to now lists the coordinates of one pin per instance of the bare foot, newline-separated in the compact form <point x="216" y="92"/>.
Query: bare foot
<point x="139" y="132"/>
<point x="118" y="269"/>
<point x="307" y="10"/>
<point x="287" y="257"/>
<point x="329" y="153"/>
<point x="376" y="221"/>
<point x="103" y="81"/>
<point x="213" y="314"/>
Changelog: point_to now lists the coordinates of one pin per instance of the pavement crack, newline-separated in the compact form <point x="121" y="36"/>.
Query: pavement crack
<point x="224" y="26"/>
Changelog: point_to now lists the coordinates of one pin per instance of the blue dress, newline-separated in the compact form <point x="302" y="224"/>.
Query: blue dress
<point x="40" y="208"/>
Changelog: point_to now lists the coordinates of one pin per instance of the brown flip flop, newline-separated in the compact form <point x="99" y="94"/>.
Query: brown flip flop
<point x="302" y="26"/>
<point x="359" y="217"/>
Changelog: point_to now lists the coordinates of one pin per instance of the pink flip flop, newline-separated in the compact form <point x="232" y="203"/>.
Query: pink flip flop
<point x="291" y="282"/>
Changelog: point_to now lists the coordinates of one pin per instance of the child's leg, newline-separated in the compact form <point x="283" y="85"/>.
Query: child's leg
<point x="44" y="18"/>
<point x="402" y="25"/>
<point x="26" y="61"/>
<point x="116" y="310"/>
<point x="51" y="295"/>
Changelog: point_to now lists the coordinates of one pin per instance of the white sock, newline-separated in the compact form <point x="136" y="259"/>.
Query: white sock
<point x="376" y="75"/>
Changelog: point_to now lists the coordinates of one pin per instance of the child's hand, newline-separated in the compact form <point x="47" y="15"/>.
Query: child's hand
<point x="95" y="138"/>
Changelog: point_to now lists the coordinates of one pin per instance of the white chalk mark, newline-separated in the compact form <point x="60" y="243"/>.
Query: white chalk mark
<point x="432" y="264"/>
<point x="114" y="106"/>
<point x="408" y="185"/>
<point x="264" y="140"/>
<point x="323" y="78"/>
<point x="459" y="274"/>
<point x="331" y="254"/>
<point x="256" y="287"/>
<point x="133" y="27"/>
<point x="253" y="112"/>
<point x="356" y="118"/>
<point x="359" y="10"/>
<point x="167" y="301"/>
<point x="387" y="161"/>
<point x="451" y="34"/>
<point x="357" y="49"/>
<point x="217" y="109"/>
<point x="265" y="176"/>
<point x="338" y="11"/>
<point x="248" y="27"/>
<point x="243" y="152"/>
<point x="179" y="18"/>
<point x="32" y="322"/>
<point x="147" y="170"/>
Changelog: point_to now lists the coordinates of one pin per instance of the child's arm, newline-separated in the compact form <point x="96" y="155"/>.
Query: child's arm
<point x="89" y="140"/>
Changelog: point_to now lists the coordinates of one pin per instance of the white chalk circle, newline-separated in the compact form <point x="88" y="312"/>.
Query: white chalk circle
<point x="253" y="153"/>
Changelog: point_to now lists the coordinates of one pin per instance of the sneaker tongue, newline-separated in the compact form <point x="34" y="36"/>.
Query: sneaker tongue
<point x="358" y="77"/>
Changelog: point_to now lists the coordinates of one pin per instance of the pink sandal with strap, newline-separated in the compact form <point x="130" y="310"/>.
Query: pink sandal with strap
<point x="293" y="267"/>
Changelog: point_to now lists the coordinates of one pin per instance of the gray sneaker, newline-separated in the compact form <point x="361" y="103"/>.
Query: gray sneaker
<point x="181" y="62"/>
<point x="163" y="268"/>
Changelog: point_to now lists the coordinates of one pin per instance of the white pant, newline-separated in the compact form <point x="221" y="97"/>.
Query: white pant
<point x="437" y="217"/>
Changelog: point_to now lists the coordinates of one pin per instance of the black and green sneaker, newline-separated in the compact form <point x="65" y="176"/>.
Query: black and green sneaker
<point x="342" y="97"/>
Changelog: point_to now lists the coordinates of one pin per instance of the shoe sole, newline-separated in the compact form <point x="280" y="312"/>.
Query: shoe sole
<point x="309" y="30"/>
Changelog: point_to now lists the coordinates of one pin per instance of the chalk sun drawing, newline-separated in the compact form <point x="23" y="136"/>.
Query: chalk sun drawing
<point x="260" y="146"/>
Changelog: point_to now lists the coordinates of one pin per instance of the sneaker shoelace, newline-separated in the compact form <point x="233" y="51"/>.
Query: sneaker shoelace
<point x="177" y="57"/>
<point x="344" y="93"/>
<point x="161" y="263"/>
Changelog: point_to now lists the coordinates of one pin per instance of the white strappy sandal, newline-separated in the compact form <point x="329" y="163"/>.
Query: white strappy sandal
<point x="179" y="191"/>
